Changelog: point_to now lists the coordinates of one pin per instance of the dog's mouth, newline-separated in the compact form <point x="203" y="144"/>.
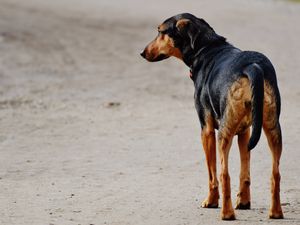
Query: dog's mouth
<point x="151" y="57"/>
<point x="160" y="57"/>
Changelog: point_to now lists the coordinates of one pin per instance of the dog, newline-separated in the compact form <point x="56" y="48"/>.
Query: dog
<point x="234" y="90"/>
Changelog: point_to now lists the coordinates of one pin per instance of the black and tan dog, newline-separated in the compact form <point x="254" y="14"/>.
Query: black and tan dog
<point x="234" y="90"/>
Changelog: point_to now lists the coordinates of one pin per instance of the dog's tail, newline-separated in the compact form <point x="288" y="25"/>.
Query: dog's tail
<point x="256" y="77"/>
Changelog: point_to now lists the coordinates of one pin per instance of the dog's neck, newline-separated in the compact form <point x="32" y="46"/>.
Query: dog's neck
<point x="195" y="58"/>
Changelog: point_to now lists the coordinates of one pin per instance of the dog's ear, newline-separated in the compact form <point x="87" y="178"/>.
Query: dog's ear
<point x="182" y="23"/>
<point x="186" y="26"/>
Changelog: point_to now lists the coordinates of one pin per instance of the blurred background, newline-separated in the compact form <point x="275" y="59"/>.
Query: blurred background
<point x="90" y="133"/>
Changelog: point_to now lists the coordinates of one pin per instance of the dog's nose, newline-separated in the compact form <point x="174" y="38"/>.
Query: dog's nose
<point x="143" y="54"/>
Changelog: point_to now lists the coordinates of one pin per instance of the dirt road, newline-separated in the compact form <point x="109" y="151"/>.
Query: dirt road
<point x="90" y="133"/>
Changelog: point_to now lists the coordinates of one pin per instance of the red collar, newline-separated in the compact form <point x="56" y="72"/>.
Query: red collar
<point x="191" y="74"/>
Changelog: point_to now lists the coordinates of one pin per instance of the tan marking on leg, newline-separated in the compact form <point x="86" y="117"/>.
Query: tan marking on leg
<point x="272" y="130"/>
<point x="269" y="113"/>
<point x="224" y="143"/>
<point x="238" y="110"/>
<point x="243" y="197"/>
<point x="237" y="119"/>
<point x="274" y="141"/>
<point x="209" y="146"/>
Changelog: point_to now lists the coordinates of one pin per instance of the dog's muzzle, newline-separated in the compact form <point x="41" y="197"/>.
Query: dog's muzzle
<point x="143" y="54"/>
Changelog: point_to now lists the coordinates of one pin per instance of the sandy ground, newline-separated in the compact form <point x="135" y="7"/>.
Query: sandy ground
<point x="90" y="133"/>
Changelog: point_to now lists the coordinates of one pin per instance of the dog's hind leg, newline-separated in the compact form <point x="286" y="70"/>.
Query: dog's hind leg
<point x="237" y="110"/>
<point x="224" y="144"/>
<point x="275" y="144"/>
<point x="243" y="197"/>
<point x="272" y="130"/>
<point x="209" y="146"/>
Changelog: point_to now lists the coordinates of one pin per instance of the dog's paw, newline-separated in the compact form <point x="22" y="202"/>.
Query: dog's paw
<point x="243" y="206"/>
<point x="208" y="204"/>
<point x="275" y="215"/>
<point x="243" y="201"/>
<point x="229" y="215"/>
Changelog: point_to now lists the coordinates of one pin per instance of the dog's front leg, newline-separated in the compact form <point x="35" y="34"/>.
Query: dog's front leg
<point x="209" y="146"/>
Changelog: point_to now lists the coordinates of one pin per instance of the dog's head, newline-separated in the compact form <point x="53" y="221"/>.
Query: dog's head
<point x="179" y="36"/>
